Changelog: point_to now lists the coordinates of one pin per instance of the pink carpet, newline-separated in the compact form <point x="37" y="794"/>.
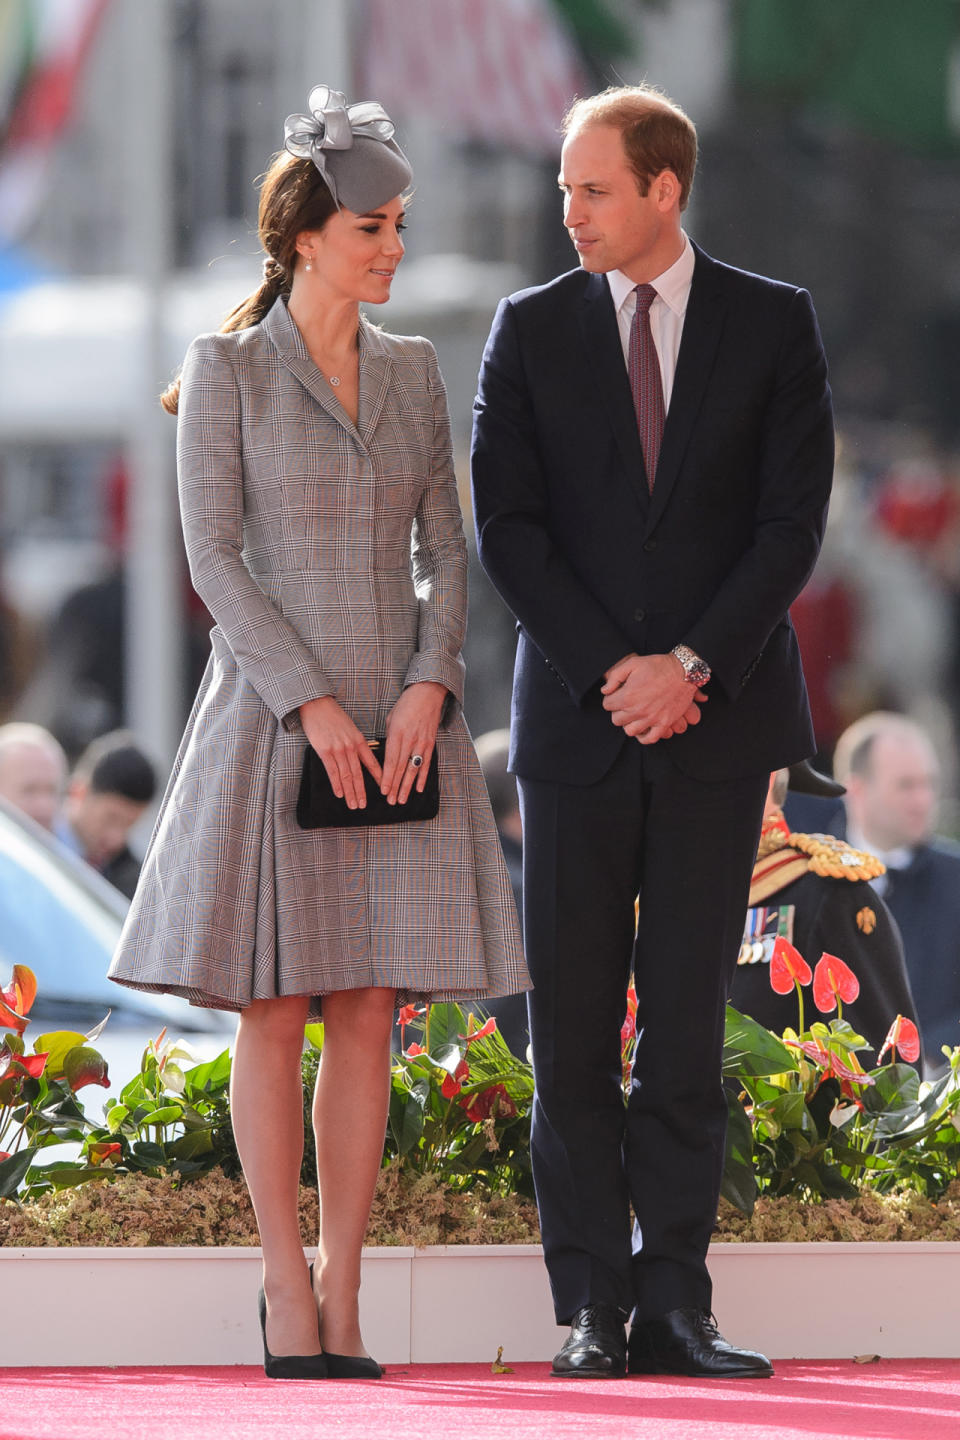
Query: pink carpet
<point x="810" y="1400"/>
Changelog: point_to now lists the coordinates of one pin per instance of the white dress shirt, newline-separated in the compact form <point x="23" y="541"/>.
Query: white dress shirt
<point x="666" y="313"/>
<point x="897" y="859"/>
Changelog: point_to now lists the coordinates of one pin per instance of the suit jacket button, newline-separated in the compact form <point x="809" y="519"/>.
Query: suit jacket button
<point x="639" y="614"/>
<point x="649" y="545"/>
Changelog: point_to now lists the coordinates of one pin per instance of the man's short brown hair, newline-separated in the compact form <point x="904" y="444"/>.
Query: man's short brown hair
<point x="657" y="134"/>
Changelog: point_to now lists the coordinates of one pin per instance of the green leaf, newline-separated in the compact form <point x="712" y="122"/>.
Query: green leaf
<point x="58" y="1044"/>
<point x="412" y="1119"/>
<point x="445" y="1023"/>
<point x="211" y="1077"/>
<point x="849" y="1039"/>
<point x="165" y="1115"/>
<point x="13" y="1169"/>
<point x="314" y="1034"/>
<point x="115" y="1117"/>
<point x="790" y="1110"/>
<point x="895" y="1087"/>
<point x="191" y="1145"/>
<point x="65" y="1175"/>
<point x="739" y="1184"/>
<point x="751" y="1049"/>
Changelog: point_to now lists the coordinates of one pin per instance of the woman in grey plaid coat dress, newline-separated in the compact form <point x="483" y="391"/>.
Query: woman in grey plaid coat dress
<point x="323" y="531"/>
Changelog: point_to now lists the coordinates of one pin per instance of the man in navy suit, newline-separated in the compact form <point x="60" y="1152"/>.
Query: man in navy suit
<point x="890" y="768"/>
<point x="652" y="460"/>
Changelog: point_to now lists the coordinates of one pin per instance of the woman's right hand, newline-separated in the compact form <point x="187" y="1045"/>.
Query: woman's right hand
<point x="341" y="747"/>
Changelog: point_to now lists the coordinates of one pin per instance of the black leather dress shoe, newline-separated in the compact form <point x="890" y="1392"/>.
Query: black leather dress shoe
<point x="595" y="1349"/>
<point x="687" y="1342"/>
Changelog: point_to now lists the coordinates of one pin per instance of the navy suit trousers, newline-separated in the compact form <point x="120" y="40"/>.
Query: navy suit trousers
<point x="686" y="847"/>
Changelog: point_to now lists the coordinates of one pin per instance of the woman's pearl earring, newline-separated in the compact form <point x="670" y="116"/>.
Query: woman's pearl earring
<point x="308" y="265"/>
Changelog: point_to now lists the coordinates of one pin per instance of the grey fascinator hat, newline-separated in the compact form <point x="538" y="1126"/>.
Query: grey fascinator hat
<point x="353" y="148"/>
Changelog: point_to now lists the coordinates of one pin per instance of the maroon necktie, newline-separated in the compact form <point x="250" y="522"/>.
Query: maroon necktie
<point x="645" y="381"/>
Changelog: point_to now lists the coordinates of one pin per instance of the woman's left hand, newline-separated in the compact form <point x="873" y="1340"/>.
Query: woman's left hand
<point x="411" y="730"/>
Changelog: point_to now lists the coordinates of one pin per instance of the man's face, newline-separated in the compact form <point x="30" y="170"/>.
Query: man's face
<point x="102" y="823"/>
<point x="895" y="802"/>
<point x="613" y="226"/>
<point x="31" y="777"/>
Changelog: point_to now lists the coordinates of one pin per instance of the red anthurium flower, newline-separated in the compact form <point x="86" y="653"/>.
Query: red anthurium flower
<point x="16" y="1000"/>
<point x="413" y="1050"/>
<point x="4" y="1154"/>
<point x="832" y="981"/>
<point x="453" y="1084"/>
<point x="813" y="1050"/>
<point x="493" y="1102"/>
<point x="105" y="1152"/>
<point x="843" y="1072"/>
<point x="903" y="1036"/>
<point x="85" y="1066"/>
<point x="787" y="967"/>
<point x="32" y="1064"/>
<point x="484" y="1030"/>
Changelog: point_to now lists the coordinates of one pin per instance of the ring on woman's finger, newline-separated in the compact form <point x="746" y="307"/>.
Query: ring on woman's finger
<point x="416" y="761"/>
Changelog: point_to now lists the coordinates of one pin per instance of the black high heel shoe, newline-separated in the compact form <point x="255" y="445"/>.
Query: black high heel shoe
<point x="350" y="1367"/>
<point x="288" y="1367"/>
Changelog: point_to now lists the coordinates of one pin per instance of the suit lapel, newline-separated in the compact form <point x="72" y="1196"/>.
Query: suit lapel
<point x="702" y="325"/>
<point x="604" y="351"/>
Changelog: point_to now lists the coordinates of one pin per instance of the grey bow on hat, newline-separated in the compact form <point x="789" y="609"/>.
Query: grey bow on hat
<point x="331" y="130"/>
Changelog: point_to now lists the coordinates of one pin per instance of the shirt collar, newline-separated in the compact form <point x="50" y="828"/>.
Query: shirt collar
<point x="672" y="287"/>
<point x="899" y="858"/>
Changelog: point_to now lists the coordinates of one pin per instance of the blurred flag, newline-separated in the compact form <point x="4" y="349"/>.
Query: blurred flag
<point x="500" y="71"/>
<point x="43" y="47"/>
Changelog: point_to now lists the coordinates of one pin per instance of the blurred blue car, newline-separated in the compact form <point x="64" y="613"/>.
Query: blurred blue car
<point x="63" y="920"/>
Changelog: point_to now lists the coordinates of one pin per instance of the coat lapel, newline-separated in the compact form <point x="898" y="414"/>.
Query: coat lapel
<point x="702" y="325"/>
<point x="605" y="356"/>
<point x="376" y="374"/>
<point x="374" y="370"/>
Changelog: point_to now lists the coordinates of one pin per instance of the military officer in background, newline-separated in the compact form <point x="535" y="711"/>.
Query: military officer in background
<point x="815" y="890"/>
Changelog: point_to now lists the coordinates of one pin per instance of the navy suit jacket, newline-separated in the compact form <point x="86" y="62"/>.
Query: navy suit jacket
<point x="593" y="567"/>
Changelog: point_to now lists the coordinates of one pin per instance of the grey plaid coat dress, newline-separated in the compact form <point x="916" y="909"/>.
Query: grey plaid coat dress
<point x="333" y="561"/>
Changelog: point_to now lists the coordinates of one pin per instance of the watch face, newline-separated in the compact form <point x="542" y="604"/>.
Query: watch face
<point x="697" y="671"/>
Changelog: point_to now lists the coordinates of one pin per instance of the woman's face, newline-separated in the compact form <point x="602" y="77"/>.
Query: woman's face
<point x="356" y="256"/>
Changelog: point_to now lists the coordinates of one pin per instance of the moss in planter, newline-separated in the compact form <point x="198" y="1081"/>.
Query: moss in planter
<point x="417" y="1210"/>
<point x="212" y="1209"/>
<point x="905" y="1216"/>
<point x="142" y="1210"/>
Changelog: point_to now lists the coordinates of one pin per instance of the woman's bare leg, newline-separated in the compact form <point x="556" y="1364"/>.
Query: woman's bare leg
<point x="349" y="1120"/>
<point x="266" y="1104"/>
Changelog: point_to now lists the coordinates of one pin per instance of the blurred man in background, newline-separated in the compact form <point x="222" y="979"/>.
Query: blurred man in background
<point x="890" y="769"/>
<point x="109" y="790"/>
<point x="33" y="771"/>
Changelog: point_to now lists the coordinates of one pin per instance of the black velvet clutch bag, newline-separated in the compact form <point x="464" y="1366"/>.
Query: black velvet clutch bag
<point x="318" y="807"/>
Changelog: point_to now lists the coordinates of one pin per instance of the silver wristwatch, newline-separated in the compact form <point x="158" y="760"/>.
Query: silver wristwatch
<point x="695" y="669"/>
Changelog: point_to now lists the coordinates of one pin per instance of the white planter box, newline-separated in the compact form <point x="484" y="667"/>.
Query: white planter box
<point x="170" y="1306"/>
